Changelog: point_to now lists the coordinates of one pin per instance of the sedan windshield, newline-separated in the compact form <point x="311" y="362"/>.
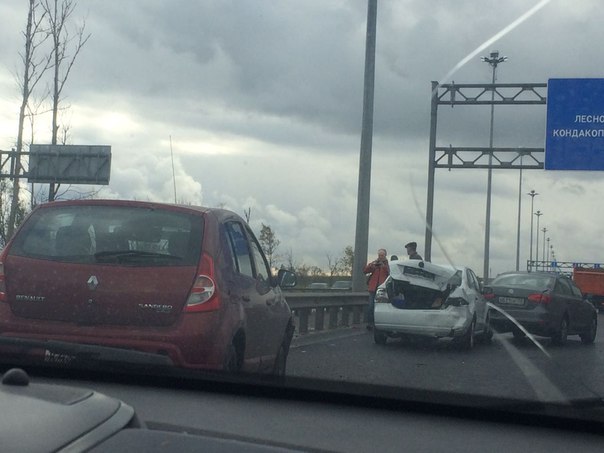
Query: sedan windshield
<point x="524" y="281"/>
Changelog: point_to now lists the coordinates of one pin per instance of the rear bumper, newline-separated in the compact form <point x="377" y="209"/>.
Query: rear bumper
<point x="194" y="341"/>
<point x="451" y="322"/>
<point x="536" y="321"/>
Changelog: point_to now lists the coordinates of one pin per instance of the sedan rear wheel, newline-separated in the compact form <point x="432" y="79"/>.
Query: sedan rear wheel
<point x="467" y="341"/>
<point x="590" y="336"/>
<point x="379" y="337"/>
<point x="487" y="335"/>
<point x="518" y="334"/>
<point x="560" y="337"/>
<point x="232" y="361"/>
<point x="280" y="362"/>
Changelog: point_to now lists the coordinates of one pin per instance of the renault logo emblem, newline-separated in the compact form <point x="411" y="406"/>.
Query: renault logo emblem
<point x="92" y="282"/>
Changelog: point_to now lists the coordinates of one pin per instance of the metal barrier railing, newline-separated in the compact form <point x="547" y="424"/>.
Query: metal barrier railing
<point x="326" y="310"/>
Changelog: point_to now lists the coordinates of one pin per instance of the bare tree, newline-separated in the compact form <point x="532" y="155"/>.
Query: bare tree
<point x="34" y="68"/>
<point x="347" y="260"/>
<point x="315" y="271"/>
<point x="333" y="265"/>
<point x="290" y="262"/>
<point x="65" y="49"/>
<point x="5" y="205"/>
<point x="269" y="243"/>
<point x="248" y="214"/>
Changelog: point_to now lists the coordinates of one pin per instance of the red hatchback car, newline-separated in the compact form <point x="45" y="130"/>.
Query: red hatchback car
<point x="128" y="281"/>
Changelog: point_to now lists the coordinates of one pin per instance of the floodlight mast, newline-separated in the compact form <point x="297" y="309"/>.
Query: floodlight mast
<point x="532" y="194"/>
<point x="494" y="59"/>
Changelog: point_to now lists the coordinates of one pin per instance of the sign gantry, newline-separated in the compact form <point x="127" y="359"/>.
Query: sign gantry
<point x="451" y="157"/>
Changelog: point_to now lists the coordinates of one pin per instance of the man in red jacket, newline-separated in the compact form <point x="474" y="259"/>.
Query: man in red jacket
<point x="379" y="271"/>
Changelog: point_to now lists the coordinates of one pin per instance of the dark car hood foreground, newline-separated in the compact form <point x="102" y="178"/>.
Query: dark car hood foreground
<point x="72" y="419"/>
<point x="180" y="414"/>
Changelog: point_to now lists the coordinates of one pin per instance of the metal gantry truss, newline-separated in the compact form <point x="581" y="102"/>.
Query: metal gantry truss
<point x="8" y="160"/>
<point x="480" y="93"/>
<point x="479" y="157"/>
<point x="564" y="267"/>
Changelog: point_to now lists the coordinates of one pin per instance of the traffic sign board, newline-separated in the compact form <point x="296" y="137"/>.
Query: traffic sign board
<point x="73" y="164"/>
<point x="575" y="124"/>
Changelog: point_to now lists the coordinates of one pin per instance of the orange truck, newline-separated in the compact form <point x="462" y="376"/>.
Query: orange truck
<point x="591" y="283"/>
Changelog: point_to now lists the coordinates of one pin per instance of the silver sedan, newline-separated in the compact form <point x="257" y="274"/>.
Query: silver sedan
<point x="431" y="300"/>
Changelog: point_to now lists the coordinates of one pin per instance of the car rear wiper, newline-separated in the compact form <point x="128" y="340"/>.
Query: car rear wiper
<point x="120" y="255"/>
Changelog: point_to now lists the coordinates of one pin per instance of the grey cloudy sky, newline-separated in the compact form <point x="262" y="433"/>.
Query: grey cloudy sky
<point x="263" y="103"/>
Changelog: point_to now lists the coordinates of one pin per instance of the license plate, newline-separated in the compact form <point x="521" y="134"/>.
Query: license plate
<point x="511" y="300"/>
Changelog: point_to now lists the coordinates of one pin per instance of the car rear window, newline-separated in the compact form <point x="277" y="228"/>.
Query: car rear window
<point x="524" y="281"/>
<point x="122" y="235"/>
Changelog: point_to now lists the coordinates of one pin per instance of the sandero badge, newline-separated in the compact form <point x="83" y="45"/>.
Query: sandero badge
<point x="159" y="308"/>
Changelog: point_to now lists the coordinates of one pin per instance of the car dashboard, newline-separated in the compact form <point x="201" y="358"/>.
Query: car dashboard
<point x="53" y="412"/>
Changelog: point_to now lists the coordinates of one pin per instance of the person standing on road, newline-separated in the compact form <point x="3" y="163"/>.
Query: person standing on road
<point x="412" y="251"/>
<point x="378" y="271"/>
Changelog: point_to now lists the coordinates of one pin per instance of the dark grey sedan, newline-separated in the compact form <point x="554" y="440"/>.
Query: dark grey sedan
<point x="545" y="304"/>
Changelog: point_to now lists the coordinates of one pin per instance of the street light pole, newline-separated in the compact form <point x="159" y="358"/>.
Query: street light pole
<point x="553" y="255"/>
<point x="548" y="247"/>
<point x="519" y="211"/>
<point x="532" y="194"/>
<point x="543" y="254"/>
<point x="493" y="59"/>
<point x="538" y="214"/>
<point x="363" y="197"/>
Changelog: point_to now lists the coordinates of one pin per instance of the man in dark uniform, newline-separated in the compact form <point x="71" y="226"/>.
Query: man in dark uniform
<point x="412" y="251"/>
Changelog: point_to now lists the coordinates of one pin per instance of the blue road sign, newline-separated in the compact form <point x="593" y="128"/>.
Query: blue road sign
<point x="575" y="124"/>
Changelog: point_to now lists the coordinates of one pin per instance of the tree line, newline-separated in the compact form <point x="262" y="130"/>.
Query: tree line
<point x="51" y="45"/>
<point x="337" y="266"/>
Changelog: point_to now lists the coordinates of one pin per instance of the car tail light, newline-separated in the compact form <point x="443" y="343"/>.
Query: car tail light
<point x="2" y="284"/>
<point x="381" y="296"/>
<point x="456" y="301"/>
<point x="203" y="295"/>
<point x="489" y="296"/>
<point x="540" y="298"/>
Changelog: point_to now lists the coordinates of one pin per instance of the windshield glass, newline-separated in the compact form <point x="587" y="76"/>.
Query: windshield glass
<point x="318" y="192"/>
<point x="110" y="235"/>
<point x="527" y="281"/>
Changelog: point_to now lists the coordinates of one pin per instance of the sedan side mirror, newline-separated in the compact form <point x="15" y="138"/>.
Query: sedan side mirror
<point x="455" y="280"/>
<point x="286" y="279"/>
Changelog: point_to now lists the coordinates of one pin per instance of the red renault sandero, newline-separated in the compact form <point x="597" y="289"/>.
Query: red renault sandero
<point x="141" y="282"/>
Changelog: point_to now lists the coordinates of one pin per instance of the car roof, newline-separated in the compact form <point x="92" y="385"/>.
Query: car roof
<point x="200" y="210"/>
<point x="549" y="274"/>
<point x="118" y="202"/>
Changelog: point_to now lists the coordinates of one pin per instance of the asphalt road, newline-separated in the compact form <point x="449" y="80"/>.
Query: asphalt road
<point x="506" y="367"/>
